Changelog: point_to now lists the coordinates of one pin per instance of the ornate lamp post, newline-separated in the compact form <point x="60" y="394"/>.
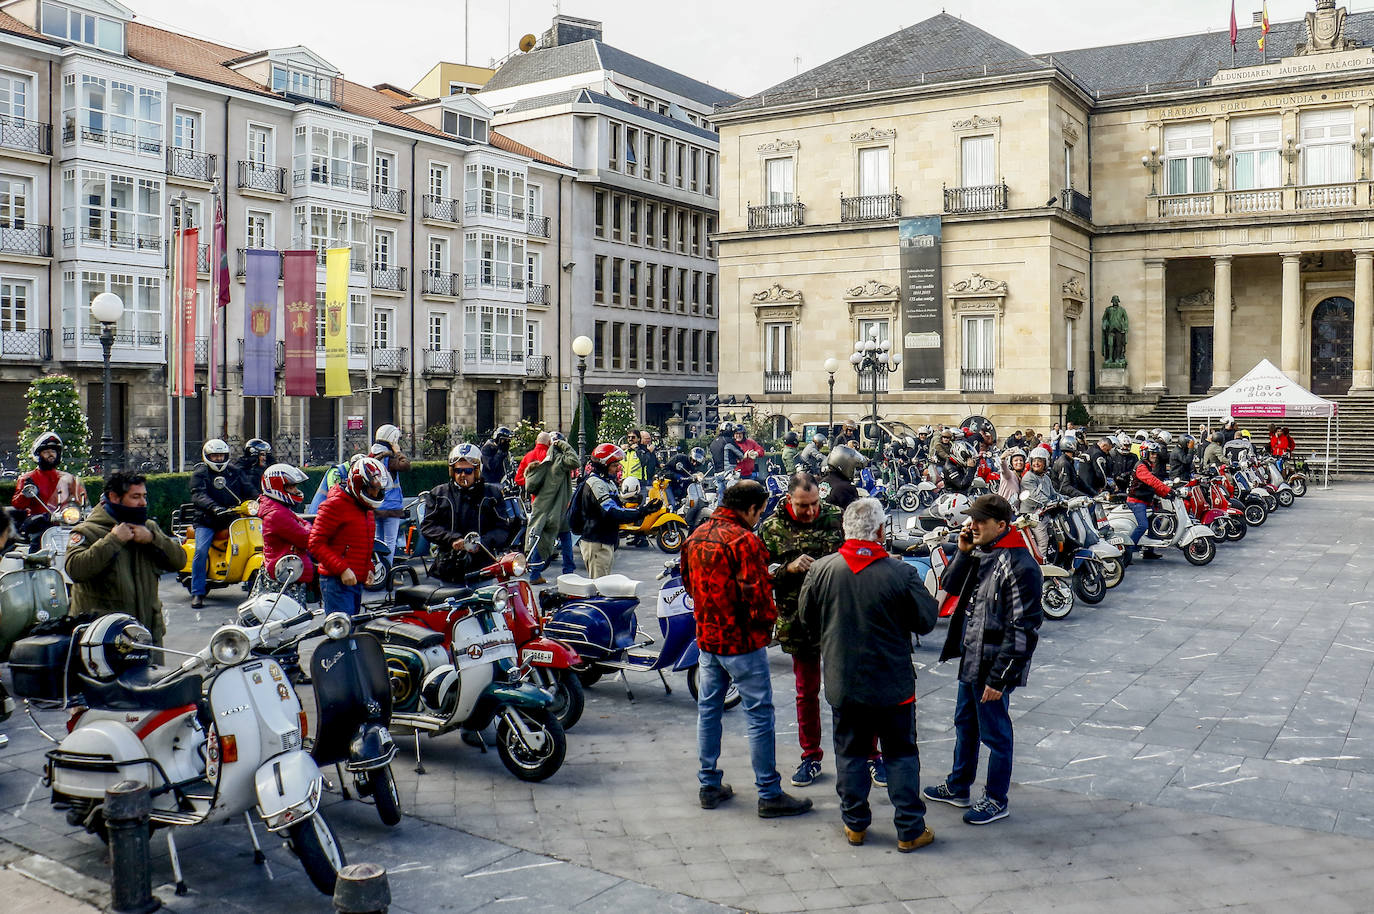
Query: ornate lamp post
<point x="1153" y="164"/>
<point x="832" y="365"/>
<point x="581" y="347"/>
<point x="107" y="308"/>
<point x="874" y="358"/>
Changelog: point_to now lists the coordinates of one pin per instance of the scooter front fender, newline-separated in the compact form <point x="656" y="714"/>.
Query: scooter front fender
<point x="667" y="517"/>
<point x="288" y="788"/>
<point x="371" y="747"/>
<point x="550" y="653"/>
<point x="1196" y="532"/>
<point x="1105" y="550"/>
<point x="524" y="695"/>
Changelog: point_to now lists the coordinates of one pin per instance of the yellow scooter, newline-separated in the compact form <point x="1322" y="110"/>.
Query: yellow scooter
<point x="665" y="525"/>
<point x="235" y="553"/>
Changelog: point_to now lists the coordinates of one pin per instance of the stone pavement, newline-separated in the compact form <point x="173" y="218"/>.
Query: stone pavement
<point x="1193" y="743"/>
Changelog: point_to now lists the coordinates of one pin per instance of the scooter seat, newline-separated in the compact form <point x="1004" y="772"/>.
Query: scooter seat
<point x="616" y="586"/>
<point x="418" y="596"/>
<point x="406" y="634"/>
<point x="137" y="690"/>
<point x="575" y="585"/>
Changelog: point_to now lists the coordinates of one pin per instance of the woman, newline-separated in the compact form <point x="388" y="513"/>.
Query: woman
<point x="284" y="532"/>
<point x="1011" y="465"/>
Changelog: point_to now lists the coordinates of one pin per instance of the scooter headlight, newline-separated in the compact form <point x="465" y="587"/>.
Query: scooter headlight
<point x="229" y="646"/>
<point x="71" y="515"/>
<point x="252" y="509"/>
<point x="337" y="625"/>
<point x="517" y="565"/>
<point x="500" y="599"/>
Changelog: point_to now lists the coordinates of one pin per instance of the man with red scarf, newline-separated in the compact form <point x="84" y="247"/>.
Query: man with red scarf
<point x="865" y="606"/>
<point x="993" y="631"/>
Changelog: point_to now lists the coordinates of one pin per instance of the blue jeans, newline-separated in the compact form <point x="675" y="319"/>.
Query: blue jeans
<point x="750" y="675"/>
<point x="986" y="722"/>
<point x="387" y="529"/>
<point x="565" y="549"/>
<point x="338" y="597"/>
<point x="1142" y="521"/>
<point x="856" y="727"/>
<point x="200" y="561"/>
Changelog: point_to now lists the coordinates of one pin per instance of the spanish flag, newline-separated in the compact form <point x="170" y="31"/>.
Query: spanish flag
<point x="1264" y="26"/>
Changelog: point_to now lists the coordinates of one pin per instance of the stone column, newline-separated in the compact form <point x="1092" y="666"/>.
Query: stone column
<point x="1151" y="329"/>
<point x="1221" y="322"/>
<point x="1290" y="346"/>
<point x="1363" y="376"/>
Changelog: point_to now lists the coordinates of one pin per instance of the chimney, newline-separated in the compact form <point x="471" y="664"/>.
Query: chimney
<point x="568" y="30"/>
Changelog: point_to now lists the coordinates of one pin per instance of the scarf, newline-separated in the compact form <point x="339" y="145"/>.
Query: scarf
<point x="859" y="554"/>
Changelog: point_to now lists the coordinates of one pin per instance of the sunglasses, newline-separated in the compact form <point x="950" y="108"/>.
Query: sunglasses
<point x="464" y="471"/>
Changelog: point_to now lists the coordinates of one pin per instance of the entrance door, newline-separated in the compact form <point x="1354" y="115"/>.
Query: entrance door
<point x="1333" y="331"/>
<point x="486" y="411"/>
<point x="1200" y="360"/>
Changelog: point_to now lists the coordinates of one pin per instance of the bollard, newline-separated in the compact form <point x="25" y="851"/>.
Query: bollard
<point x="127" y="806"/>
<point x="362" y="889"/>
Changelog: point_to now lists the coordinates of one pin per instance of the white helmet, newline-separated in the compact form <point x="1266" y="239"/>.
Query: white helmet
<point x="1123" y="440"/>
<point x="1142" y="435"/>
<point x="212" y="449"/>
<point x="630" y="488"/>
<point x="1040" y="452"/>
<point x="1164" y="437"/>
<point x="390" y="434"/>
<point x="469" y="453"/>
<point x="45" y="441"/>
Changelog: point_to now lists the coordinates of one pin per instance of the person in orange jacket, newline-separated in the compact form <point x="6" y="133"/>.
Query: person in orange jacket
<point x="341" y="537"/>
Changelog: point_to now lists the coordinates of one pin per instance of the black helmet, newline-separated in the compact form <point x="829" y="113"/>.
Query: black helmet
<point x="790" y="439"/>
<point x="502" y="434"/>
<point x="256" y="447"/>
<point x="697" y="455"/>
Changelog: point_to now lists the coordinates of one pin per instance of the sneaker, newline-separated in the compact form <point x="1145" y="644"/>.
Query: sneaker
<point x="855" y="838"/>
<point x="807" y="772"/>
<point x="919" y="841"/>
<point x="877" y="770"/>
<point x="783" y="804"/>
<point x="985" y="811"/>
<point x="942" y="794"/>
<point x="197" y="602"/>
<point x="711" y="797"/>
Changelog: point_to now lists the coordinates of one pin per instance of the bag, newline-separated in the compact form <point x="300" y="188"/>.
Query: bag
<point x="577" y="513"/>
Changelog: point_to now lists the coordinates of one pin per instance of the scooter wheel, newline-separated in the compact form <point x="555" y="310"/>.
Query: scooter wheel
<point x="1285" y="498"/>
<point x="1256" y="514"/>
<point x="671" y="536"/>
<point x="1162" y="526"/>
<point x="1057" y="600"/>
<point x="1088" y="584"/>
<point x="1271" y="502"/>
<point x="910" y="502"/>
<point x="1200" y="551"/>
<point x="520" y="760"/>
<point x="1220" y="528"/>
<point x="1236" y="528"/>
<point x="569" y="700"/>
<point x="732" y="695"/>
<point x="377" y="575"/>
<point x="1113" y="572"/>
<point x="385" y="795"/>
<point x="1299" y="485"/>
<point x="315" y="843"/>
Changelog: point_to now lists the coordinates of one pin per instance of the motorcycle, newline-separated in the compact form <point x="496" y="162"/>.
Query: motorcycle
<point x="54" y="539"/>
<point x="235" y="553"/>
<point x="665" y="525"/>
<point x="1169" y="525"/>
<point x="870" y="483"/>
<point x="214" y="738"/>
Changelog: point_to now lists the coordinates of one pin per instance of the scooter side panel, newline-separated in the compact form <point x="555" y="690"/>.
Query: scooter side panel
<point x="288" y="788"/>
<point x="97" y="740"/>
<point x="232" y="709"/>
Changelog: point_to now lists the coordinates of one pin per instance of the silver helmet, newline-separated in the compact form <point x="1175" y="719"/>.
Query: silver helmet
<point x="846" y="461"/>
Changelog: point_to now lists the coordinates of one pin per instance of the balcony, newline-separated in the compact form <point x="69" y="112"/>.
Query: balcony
<point x="280" y="360"/>
<point x="776" y="215"/>
<point x="489" y="207"/>
<point x="28" y="241"/>
<point x="537" y="367"/>
<point x="25" y="135"/>
<point x="1185" y="205"/>
<point x="537" y="226"/>
<point x="241" y="269"/>
<point x="202" y="351"/>
<point x="128" y="241"/>
<point x="537" y="294"/>
<point x="498" y="283"/>
<point x="432" y="282"/>
<point x="441" y="209"/>
<point x="267" y="179"/>
<point x="26" y="345"/>
<point x="1327" y="196"/>
<point x="1254" y="201"/>
<point x="190" y="165"/>
<point x="1080" y="204"/>
<point x="867" y="378"/>
<point x="441" y="362"/>
<point x="142" y="346"/>
<point x="389" y="361"/>
<point x="202" y="258"/>
<point x="389" y="279"/>
<point x="322" y="175"/>
<point x="503" y="362"/>
<point x="355" y="264"/>
<point x="987" y="198"/>
<point x="777" y="382"/>
<point x="388" y="200"/>
<point x="975" y="380"/>
<point x="114" y="140"/>
<point x="872" y="208"/>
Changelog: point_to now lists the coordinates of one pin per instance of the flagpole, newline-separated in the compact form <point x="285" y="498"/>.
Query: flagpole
<point x="211" y="362"/>
<point x="174" y="459"/>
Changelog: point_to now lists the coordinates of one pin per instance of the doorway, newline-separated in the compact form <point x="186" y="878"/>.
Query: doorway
<point x="1333" y="352"/>
<point x="1200" y="360"/>
<point x="486" y="412"/>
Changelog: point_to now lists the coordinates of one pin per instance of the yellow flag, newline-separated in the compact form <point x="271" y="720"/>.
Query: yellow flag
<point x="336" y="323"/>
<point x="1264" y="26"/>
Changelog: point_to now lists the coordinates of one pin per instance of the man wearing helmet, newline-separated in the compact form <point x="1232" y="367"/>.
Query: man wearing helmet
<point x="496" y="457"/>
<point x="465" y="504"/>
<point x="257" y="454"/>
<point x="1145" y="485"/>
<point x="791" y="447"/>
<point x="217" y="486"/>
<point x="341" y="536"/>
<point x="284" y="532"/>
<point x="837" y="485"/>
<point x="961" y="468"/>
<point x="56" y="488"/>
<point x="723" y="437"/>
<point x="1181" y="459"/>
<point x="680" y="470"/>
<point x="1065" y="474"/>
<point x="597" y="510"/>
<point x="1212" y="455"/>
<point x="812" y="457"/>
<point x="387" y="449"/>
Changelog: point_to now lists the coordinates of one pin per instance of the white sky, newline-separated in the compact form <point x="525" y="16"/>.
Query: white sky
<point x="743" y="46"/>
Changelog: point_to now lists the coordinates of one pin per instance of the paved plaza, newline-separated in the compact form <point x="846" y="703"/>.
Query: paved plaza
<point x="1199" y="741"/>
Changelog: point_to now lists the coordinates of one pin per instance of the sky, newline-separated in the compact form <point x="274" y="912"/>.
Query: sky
<point x="742" y="46"/>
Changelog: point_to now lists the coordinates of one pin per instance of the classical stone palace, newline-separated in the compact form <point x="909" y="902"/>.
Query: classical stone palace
<point x="978" y="208"/>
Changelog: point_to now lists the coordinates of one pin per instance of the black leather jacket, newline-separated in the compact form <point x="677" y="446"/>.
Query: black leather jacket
<point x="212" y="500"/>
<point x="452" y="512"/>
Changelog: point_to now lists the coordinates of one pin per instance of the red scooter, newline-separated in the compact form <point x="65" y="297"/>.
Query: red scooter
<point x="1202" y="509"/>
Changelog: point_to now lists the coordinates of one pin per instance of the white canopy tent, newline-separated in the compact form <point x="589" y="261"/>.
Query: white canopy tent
<point x="1267" y="393"/>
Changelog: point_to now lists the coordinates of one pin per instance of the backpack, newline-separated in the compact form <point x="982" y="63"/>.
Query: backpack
<point x="577" y="512"/>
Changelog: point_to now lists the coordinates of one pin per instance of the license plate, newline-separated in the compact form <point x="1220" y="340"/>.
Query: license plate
<point x="539" y="656"/>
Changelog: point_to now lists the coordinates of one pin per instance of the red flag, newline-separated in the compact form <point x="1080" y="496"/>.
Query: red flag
<point x="184" y="378"/>
<point x="219" y="281"/>
<point x="298" y="271"/>
<point x="1235" y="32"/>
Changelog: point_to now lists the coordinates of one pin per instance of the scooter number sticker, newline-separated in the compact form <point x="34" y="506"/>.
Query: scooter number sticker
<point x="539" y="656"/>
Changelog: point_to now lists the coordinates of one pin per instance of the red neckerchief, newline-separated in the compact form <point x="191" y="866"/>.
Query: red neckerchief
<point x="1012" y="539"/>
<point x="859" y="554"/>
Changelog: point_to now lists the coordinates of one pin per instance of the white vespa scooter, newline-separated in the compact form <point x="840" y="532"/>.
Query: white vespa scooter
<point x="1169" y="526"/>
<point x="206" y="757"/>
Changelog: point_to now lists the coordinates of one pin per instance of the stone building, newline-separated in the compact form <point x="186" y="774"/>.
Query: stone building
<point x="1225" y="205"/>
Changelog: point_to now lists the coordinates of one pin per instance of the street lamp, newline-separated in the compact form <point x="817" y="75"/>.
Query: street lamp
<point x="581" y="347"/>
<point x="643" y="406"/>
<point x="832" y="365"/>
<point x="873" y="357"/>
<point x="107" y="308"/>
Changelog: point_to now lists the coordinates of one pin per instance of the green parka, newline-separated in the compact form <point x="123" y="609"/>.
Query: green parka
<point x="110" y="576"/>
<point x="549" y="483"/>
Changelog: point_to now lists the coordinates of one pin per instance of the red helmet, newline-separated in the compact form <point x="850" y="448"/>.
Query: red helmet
<point x="277" y="477"/>
<point x="607" y="454"/>
<point x="363" y="474"/>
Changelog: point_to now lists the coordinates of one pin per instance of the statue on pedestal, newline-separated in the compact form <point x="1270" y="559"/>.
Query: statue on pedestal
<point x="1115" y="327"/>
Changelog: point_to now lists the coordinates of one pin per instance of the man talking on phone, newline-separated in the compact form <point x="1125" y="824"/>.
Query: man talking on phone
<point x="993" y="632"/>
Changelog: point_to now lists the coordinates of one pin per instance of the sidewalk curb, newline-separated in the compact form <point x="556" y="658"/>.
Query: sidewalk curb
<point x="57" y="876"/>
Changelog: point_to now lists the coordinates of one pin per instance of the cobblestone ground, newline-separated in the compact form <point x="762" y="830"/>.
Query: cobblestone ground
<point x="1196" y="742"/>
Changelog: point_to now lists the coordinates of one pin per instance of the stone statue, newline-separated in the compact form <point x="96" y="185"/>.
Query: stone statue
<point x="1115" y="326"/>
<point x="1326" y="30"/>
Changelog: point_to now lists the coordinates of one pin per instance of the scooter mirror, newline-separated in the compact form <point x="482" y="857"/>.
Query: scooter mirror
<point x="289" y="569"/>
<point x="911" y="523"/>
<point x="1025" y="498"/>
<point x="30" y="490"/>
<point x="220" y="483"/>
<point x="472" y="542"/>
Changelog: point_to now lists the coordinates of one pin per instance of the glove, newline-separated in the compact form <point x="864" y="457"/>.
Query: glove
<point x="653" y="506"/>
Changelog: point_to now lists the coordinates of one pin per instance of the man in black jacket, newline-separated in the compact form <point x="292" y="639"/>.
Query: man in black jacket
<point x="496" y="457"/>
<point x="1181" y="459"/>
<point x="461" y="506"/>
<point x="837" y="485"/>
<point x="866" y="606"/>
<point x="993" y="631"/>
<point x="217" y="487"/>
<point x="1064" y="475"/>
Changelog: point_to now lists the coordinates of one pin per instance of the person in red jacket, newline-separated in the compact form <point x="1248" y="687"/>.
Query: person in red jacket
<point x="1145" y="485"/>
<point x="341" y="537"/>
<point x="284" y="532"/>
<point x="536" y="454"/>
<point x="56" y="488"/>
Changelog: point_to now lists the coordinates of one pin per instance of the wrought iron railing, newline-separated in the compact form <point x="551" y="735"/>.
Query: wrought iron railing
<point x="202" y="258"/>
<point x="871" y="208"/>
<point x="280" y="359"/>
<point x="392" y="361"/>
<point x="488" y="281"/>
<point x="537" y="293"/>
<point x="538" y="226"/>
<point x="241" y="268"/>
<point x="777" y="382"/>
<point x="355" y="264"/>
<point x="432" y="282"/>
<point x="132" y="241"/>
<point x="26" y="344"/>
<point x="25" y="134"/>
<point x="191" y="165"/>
<point x="486" y="356"/>
<point x="126" y="142"/>
<point x="388" y="200"/>
<point x="489" y="207"/>
<point x="33" y="240"/>
<point x="987" y="198"/>
<point x="776" y="215"/>
<point x="537" y="366"/>
<point x="1080" y="204"/>
<point x="442" y="209"/>
<point x="975" y="380"/>
<point x="202" y="351"/>
<point x="441" y="361"/>
<point x="390" y="279"/>
<point x="269" y="179"/>
<point x="125" y="338"/>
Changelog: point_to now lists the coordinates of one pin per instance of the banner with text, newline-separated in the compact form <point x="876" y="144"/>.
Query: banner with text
<point x="259" y="323"/>
<point x="184" y="383"/>
<point x="923" y="313"/>
<point x="336" y="322"/>
<point x="298" y="284"/>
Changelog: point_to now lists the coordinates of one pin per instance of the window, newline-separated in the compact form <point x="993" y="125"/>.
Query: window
<point x="978" y="353"/>
<point x="633" y="347"/>
<point x="976" y="157"/>
<point x="617" y="216"/>
<point x="383" y="172"/>
<point x="599" y="345"/>
<point x="617" y="270"/>
<point x="113" y="209"/>
<point x="680" y="169"/>
<point x="649" y="272"/>
<point x="696" y="234"/>
<point x="681" y="291"/>
<point x="261" y="151"/>
<point x="383" y="328"/>
<point x="666" y="229"/>
<point x="465" y="126"/>
<point x="357" y="323"/>
<point x="494" y="261"/>
<point x="438" y="254"/>
<point x="142" y="311"/>
<point x="494" y="333"/>
<point x="710" y="230"/>
<point x="696" y="352"/>
<point x="665" y="349"/>
<point x="696" y="169"/>
<point x="298" y="81"/>
<point x="14" y="202"/>
<point x="649" y="342"/>
<point x="1255" y="159"/>
<point x="494" y="192"/>
<point x="681" y="349"/>
<point x="631" y="145"/>
<point x="319" y="319"/>
<point x="1188" y="158"/>
<point x="599" y="279"/>
<point x="696" y="292"/>
<point x="709" y="173"/>
<point x="82" y="28"/>
<point x="710" y="352"/>
<point x="534" y="272"/>
<point x="258" y="232"/>
<point x="613" y="146"/>
<point x="534" y="199"/>
<point x="780" y="175"/>
<point x="710" y="294"/>
<point x="870" y="327"/>
<point x="681" y="232"/>
<point x="664" y="150"/>
<point x="1068" y="166"/>
<point x="633" y="283"/>
<point x="438" y="180"/>
<point x="634" y="220"/>
<point x="649" y="142"/>
<point x="875" y="176"/>
<point x="438" y="331"/>
<point x="650" y="224"/>
<point x="14" y="303"/>
<point x="665" y="288"/>
<point x="600" y="207"/>
<point x="532" y="347"/>
<point x="383" y="243"/>
<point x="15" y="91"/>
<point x="113" y="113"/>
<point x="185" y="129"/>
<point x="1327" y="154"/>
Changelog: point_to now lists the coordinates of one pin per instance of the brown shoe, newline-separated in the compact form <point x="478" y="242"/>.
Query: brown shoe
<point x="919" y="841"/>
<point x="855" y="838"/>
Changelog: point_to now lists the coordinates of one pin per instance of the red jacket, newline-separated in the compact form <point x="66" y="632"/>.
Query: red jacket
<point x="341" y="536"/>
<point x="284" y="532"/>
<point x="725" y="571"/>
<point x="535" y="455"/>
<point x="1280" y="445"/>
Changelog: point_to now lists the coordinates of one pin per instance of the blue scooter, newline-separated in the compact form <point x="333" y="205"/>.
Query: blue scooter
<point x="597" y="619"/>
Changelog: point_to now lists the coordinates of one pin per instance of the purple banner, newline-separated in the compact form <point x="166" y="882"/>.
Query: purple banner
<point x="259" y="324"/>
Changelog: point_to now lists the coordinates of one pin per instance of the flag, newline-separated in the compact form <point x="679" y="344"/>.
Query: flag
<point x="336" y="322"/>
<point x="1235" y="32"/>
<point x="298" y="275"/>
<point x="184" y="378"/>
<point x="219" y="280"/>
<point x="259" y="323"/>
<point x="1264" y="26"/>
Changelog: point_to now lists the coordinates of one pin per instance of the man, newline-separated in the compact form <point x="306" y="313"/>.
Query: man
<point x="803" y="530"/>
<point x="548" y="482"/>
<point x="56" y="487"/>
<point x="1065" y="473"/>
<point x="744" y="455"/>
<point x="812" y="457"/>
<point x="865" y="607"/>
<point x="1038" y="491"/>
<point x="1015" y="440"/>
<point x="961" y="466"/>
<point x="1212" y="455"/>
<point x="1181" y="459"/>
<point x="922" y="447"/>
<point x="842" y="465"/>
<point x="114" y="556"/>
<point x="465" y="504"/>
<point x="849" y="434"/>
<point x="257" y="455"/>
<point x="216" y="488"/>
<point x="1097" y="469"/>
<point x="596" y="511"/>
<point x="724" y="435"/>
<point x="940" y="451"/>
<point x="725" y="572"/>
<point x="993" y="631"/>
<point x="533" y="455"/>
<point x="341" y="536"/>
<point x="1145" y="485"/>
<point x="680" y="470"/>
<point x="790" y="450"/>
<point x="387" y="448"/>
<point x="496" y="457"/>
<point x="642" y="462"/>
<point x="1228" y="431"/>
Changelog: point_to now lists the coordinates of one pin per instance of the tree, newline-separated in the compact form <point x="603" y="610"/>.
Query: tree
<point x="54" y="406"/>
<point x="617" y="416"/>
<point x="1077" y="413"/>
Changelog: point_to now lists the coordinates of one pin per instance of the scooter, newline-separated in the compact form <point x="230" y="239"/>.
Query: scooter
<point x="1295" y="474"/>
<point x="1281" y="488"/>
<point x="1238" y="489"/>
<point x="947" y="511"/>
<point x="1203" y="508"/>
<point x="54" y="540"/>
<point x="1057" y="595"/>
<point x="30" y="594"/>
<point x="214" y="738"/>
<point x="1197" y="541"/>
<point x="930" y="554"/>
<point x="235" y="553"/>
<point x="1074" y="549"/>
<point x="665" y="525"/>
